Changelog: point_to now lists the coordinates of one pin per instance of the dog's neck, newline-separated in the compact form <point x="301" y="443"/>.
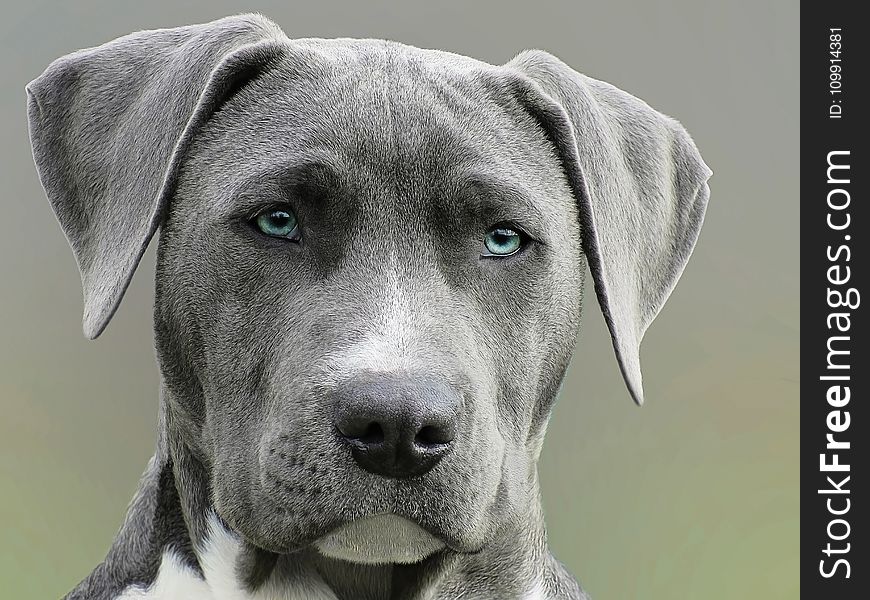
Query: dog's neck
<point x="173" y="544"/>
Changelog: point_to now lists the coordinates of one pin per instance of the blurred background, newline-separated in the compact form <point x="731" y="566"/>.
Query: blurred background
<point x="692" y="496"/>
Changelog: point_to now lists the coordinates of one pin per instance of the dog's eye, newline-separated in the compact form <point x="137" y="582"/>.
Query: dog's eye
<point x="502" y="241"/>
<point x="278" y="223"/>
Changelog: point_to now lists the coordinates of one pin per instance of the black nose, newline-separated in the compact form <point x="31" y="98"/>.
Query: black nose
<point x="397" y="426"/>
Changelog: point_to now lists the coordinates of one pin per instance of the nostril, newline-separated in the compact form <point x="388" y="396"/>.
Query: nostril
<point x="364" y="431"/>
<point x="430" y="435"/>
<point x="373" y="434"/>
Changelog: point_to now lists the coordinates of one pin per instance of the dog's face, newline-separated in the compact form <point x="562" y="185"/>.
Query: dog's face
<point x="389" y="274"/>
<point x="371" y="263"/>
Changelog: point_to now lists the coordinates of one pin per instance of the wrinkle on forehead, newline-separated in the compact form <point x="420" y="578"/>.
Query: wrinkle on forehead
<point x="399" y="121"/>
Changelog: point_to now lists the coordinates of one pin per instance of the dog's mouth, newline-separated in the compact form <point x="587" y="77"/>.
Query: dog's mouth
<point x="380" y="539"/>
<point x="392" y="522"/>
<point x="374" y="535"/>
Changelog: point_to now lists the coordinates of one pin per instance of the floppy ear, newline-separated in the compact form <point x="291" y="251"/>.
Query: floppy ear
<point x="641" y="186"/>
<point x="109" y="126"/>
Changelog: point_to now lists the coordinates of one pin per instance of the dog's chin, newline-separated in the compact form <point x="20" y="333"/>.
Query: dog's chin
<point x="379" y="539"/>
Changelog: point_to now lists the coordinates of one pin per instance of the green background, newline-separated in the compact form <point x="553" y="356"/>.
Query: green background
<point x="692" y="496"/>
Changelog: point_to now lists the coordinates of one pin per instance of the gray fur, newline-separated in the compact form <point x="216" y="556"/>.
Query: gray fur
<point x="396" y="160"/>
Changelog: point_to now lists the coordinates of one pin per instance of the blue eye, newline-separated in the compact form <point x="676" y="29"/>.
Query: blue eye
<point x="278" y="223"/>
<point x="502" y="241"/>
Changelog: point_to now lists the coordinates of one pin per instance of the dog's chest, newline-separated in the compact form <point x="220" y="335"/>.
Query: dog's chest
<point x="176" y="581"/>
<point x="218" y="558"/>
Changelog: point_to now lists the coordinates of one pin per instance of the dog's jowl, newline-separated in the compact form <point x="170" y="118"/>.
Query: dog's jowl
<point x="369" y="281"/>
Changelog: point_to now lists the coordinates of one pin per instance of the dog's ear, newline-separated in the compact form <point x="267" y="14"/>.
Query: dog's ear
<point x="641" y="186"/>
<point x="109" y="126"/>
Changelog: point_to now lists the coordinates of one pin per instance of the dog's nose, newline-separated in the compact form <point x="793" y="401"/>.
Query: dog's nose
<point x="397" y="427"/>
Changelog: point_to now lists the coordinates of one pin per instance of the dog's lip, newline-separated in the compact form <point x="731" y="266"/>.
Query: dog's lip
<point x="438" y="535"/>
<point x="330" y="522"/>
<point x="381" y="538"/>
<point x="451" y="544"/>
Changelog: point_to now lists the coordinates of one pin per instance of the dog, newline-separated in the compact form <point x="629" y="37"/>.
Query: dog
<point x="369" y="283"/>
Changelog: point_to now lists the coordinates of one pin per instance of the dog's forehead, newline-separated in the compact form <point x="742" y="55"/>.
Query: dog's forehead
<point x="386" y="112"/>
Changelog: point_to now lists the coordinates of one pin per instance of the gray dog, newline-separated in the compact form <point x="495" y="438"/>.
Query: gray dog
<point x="369" y="281"/>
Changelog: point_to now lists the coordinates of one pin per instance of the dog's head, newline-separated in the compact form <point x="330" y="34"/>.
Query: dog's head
<point x="371" y="262"/>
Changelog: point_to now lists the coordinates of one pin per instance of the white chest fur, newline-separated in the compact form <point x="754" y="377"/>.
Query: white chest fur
<point x="177" y="581"/>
